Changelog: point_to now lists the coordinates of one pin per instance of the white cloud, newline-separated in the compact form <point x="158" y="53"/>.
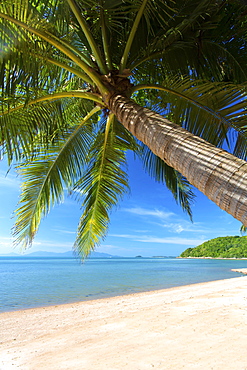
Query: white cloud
<point x="9" y="180"/>
<point x="109" y="248"/>
<point x="146" y="212"/>
<point x="127" y="236"/>
<point x="174" y="227"/>
<point x="182" y="241"/>
<point x="165" y="240"/>
<point x="51" y="244"/>
<point x="170" y="221"/>
<point x="6" y="241"/>
<point x="6" y="246"/>
<point x="183" y="225"/>
<point x="65" y="231"/>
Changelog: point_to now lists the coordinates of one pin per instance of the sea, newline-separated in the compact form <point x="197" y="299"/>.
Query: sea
<point x="28" y="282"/>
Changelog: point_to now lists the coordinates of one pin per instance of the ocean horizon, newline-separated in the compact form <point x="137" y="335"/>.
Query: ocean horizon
<point x="29" y="281"/>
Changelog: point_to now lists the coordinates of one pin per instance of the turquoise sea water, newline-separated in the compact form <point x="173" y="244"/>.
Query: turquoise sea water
<point x="27" y="282"/>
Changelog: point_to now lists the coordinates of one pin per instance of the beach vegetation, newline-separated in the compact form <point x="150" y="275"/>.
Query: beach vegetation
<point x="85" y="81"/>
<point x="222" y="247"/>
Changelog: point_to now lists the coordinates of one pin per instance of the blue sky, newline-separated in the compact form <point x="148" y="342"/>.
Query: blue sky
<point x="148" y="221"/>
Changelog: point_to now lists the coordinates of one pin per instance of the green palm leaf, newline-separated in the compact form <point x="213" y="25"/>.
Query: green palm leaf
<point x="193" y="35"/>
<point x="45" y="178"/>
<point x="103" y="184"/>
<point x="27" y="129"/>
<point x="209" y="110"/>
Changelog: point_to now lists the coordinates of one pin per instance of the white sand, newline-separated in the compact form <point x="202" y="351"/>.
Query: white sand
<point x="243" y="271"/>
<point x="201" y="326"/>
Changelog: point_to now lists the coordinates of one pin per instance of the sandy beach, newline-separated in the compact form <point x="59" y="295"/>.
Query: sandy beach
<point x="201" y="326"/>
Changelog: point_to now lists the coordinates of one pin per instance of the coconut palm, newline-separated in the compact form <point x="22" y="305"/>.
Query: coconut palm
<point x="84" y="81"/>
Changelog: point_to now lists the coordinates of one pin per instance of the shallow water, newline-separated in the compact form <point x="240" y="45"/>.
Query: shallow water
<point x="27" y="282"/>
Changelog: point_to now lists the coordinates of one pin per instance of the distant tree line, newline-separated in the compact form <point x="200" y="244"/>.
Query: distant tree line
<point x="222" y="247"/>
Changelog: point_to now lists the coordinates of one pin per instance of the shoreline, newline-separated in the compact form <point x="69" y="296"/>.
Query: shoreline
<point x="242" y="271"/>
<point x="201" y="325"/>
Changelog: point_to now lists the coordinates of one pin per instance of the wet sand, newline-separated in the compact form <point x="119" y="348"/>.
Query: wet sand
<point x="201" y="326"/>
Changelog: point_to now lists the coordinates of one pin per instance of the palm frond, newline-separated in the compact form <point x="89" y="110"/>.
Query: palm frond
<point x="209" y="110"/>
<point x="103" y="184"/>
<point x="105" y="38"/>
<point x="46" y="177"/>
<point x="132" y="35"/>
<point x="243" y="229"/>
<point x="224" y="66"/>
<point x="60" y="45"/>
<point x="192" y="44"/>
<point x="176" y="28"/>
<point x="26" y="126"/>
<point x="90" y="39"/>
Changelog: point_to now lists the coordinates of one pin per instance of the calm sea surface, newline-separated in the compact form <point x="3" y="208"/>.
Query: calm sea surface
<point x="27" y="282"/>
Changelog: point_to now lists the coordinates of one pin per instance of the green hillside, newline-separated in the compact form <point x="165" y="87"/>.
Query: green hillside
<point x="223" y="247"/>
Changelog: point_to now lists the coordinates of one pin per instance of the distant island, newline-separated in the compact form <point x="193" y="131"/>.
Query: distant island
<point x="222" y="247"/>
<point x="57" y="255"/>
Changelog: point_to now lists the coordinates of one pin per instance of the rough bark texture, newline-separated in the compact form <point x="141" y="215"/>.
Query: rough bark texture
<point x="216" y="173"/>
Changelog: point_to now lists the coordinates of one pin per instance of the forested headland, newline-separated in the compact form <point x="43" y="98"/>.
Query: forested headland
<point x="222" y="247"/>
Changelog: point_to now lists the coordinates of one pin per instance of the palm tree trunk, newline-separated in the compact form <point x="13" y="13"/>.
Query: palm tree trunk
<point x="219" y="175"/>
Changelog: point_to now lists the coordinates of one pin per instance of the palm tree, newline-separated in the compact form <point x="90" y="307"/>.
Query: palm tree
<point x="78" y="80"/>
